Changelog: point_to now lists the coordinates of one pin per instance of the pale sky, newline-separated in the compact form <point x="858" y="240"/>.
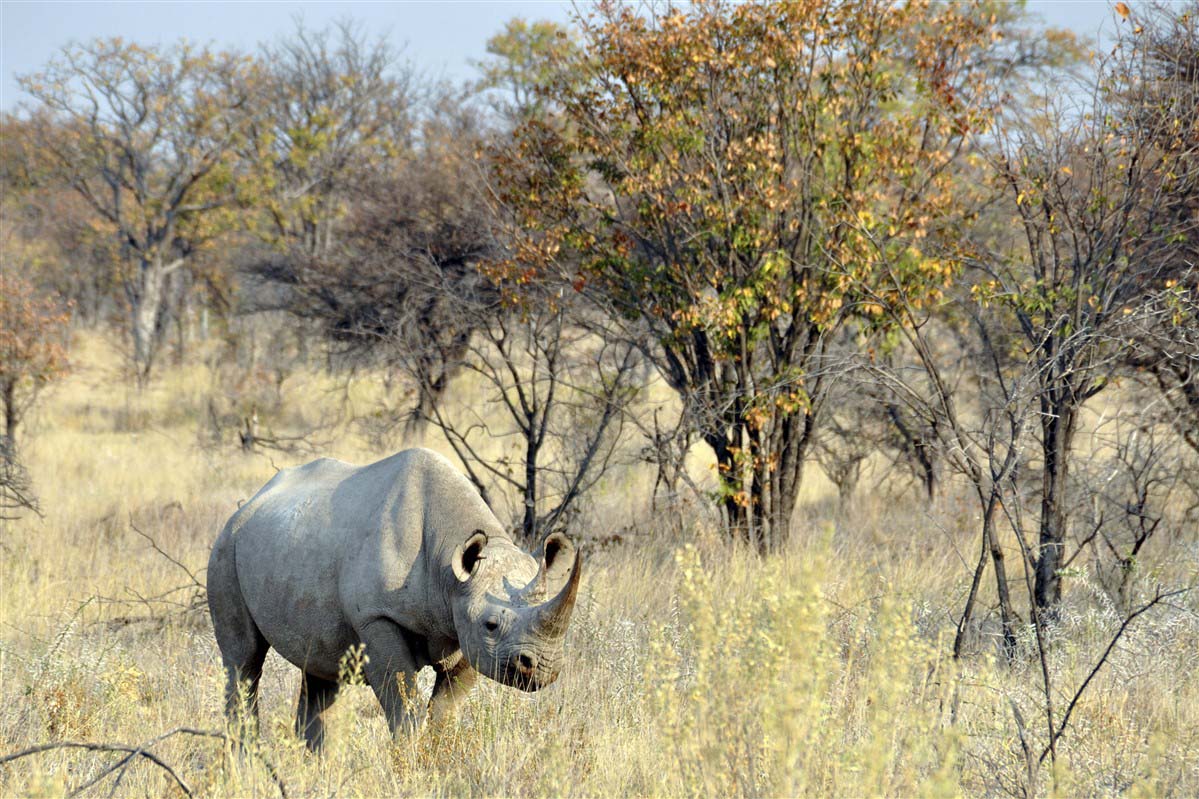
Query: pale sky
<point x="440" y="38"/>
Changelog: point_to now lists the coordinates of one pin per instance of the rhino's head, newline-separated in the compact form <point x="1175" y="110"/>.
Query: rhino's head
<point x="508" y="626"/>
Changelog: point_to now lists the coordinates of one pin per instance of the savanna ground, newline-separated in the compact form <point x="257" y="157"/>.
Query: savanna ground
<point x="694" y="667"/>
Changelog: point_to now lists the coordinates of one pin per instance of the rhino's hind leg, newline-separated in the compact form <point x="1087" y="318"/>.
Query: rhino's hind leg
<point x="243" y="647"/>
<point x="243" y="670"/>
<point x="316" y="695"/>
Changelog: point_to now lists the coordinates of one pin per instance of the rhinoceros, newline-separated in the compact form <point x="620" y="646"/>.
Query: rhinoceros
<point x="402" y="556"/>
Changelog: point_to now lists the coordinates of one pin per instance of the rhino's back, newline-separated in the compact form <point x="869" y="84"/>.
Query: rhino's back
<point x="294" y="538"/>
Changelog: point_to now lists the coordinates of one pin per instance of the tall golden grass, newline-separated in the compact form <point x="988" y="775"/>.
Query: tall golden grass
<point x="694" y="667"/>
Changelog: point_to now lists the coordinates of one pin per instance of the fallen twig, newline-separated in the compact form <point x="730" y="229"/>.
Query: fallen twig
<point x="195" y="580"/>
<point x="141" y="748"/>
<point x="98" y="747"/>
<point x="132" y="752"/>
<point x="195" y="602"/>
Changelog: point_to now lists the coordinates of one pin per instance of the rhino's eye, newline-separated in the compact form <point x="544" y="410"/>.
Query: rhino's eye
<point x="492" y="625"/>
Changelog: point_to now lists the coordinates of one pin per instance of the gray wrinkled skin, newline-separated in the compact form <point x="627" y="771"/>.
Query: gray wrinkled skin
<point x="402" y="556"/>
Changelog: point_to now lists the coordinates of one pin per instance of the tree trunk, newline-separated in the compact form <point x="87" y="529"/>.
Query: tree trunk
<point x="9" y="394"/>
<point x="735" y="510"/>
<point x="788" y="456"/>
<point x="530" y="521"/>
<point x="181" y="326"/>
<point x="1001" y="584"/>
<point x="931" y="484"/>
<point x="917" y="448"/>
<point x="761" y="512"/>
<point x="145" y="309"/>
<point x="759" y="492"/>
<point x="928" y="469"/>
<point x="1057" y="428"/>
<point x="783" y="506"/>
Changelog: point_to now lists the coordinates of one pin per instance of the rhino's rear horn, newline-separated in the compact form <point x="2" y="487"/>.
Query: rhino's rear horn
<point x="467" y="556"/>
<point x="554" y="616"/>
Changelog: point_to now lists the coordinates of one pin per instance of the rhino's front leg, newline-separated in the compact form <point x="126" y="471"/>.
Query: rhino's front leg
<point x="391" y="671"/>
<point x="451" y="689"/>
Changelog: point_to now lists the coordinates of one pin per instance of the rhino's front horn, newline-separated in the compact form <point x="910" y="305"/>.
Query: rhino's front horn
<point x="553" y="617"/>
<point x="536" y="588"/>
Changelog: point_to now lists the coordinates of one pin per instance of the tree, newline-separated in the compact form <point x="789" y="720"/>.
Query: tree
<point x="982" y="436"/>
<point x="331" y="105"/>
<point x="1165" y="341"/>
<point x="401" y="288"/>
<point x="869" y="419"/>
<point x="76" y="258"/>
<point x="406" y="256"/>
<point x="722" y="175"/>
<point x="1136" y="490"/>
<point x="1165" y="349"/>
<point x="1105" y="205"/>
<point x="562" y="394"/>
<point x="146" y="135"/>
<point x="33" y="332"/>
<point x="527" y="58"/>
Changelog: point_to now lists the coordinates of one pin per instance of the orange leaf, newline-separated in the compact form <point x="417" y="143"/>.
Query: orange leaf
<point x="1123" y="10"/>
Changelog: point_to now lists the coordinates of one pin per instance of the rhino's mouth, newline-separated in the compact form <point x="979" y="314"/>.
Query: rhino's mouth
<point x="525" y="676"/>
<point x="526" y="682"/>
<point x="525" y="667"/>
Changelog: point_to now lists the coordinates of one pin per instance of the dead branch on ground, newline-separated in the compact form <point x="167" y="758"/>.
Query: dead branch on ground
<point x="160" y="605"/>
<point x="142" y="750"/>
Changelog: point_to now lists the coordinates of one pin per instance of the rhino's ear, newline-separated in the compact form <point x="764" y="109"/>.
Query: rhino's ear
<point x="557" y="554"/>
<point x="468" y="554"/>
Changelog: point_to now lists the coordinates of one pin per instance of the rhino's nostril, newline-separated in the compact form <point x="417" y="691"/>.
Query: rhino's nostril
<point x="526" y="662"/>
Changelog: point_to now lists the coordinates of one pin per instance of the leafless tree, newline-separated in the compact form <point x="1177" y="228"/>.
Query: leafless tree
<point x="868" y="419"/>
<point x="1104" y="201"/>
<point x="562" y="393"/>
<point x="406" y="255"/>
<point x="145" y="135"/>
<point x="849" y="437"/>
<point x="16" y="488"/>
<point x="331" y="106"/>
<point x="666" y="449"/>
<point x="982" y="438"/>
<point x="1164" y="354"/>
<point x="1133" y="479"/>
<point x="402" y="287"/>
<point x="1165" y="338"/>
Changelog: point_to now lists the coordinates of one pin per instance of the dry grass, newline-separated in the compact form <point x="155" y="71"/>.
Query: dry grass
<point x="694" y="668"/>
